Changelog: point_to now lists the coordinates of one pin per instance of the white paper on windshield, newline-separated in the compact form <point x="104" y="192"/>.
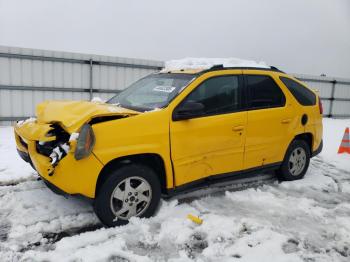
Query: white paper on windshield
<point x="166" y="89"/>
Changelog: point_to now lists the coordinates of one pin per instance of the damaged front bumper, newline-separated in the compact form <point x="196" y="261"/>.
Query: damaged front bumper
<point x="67" y="174"/>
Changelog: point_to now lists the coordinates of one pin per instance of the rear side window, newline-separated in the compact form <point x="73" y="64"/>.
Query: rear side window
<point x="263" y="92"/>
<point x="303" y="95"/>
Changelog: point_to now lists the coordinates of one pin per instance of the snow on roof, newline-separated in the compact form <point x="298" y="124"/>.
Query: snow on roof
<point x="206" y="63"/>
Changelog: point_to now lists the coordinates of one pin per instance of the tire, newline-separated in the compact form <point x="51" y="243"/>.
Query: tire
<point x="296" y="161"/>
<point x="136" y="190"/>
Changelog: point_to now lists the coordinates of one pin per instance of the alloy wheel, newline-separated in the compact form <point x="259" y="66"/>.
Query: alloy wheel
<point x="131" y="197"/>
<point x="297" y="161"/>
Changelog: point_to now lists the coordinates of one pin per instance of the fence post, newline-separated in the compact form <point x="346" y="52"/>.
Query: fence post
<point x="91" y="80"/>
<point x="332" y="98"/>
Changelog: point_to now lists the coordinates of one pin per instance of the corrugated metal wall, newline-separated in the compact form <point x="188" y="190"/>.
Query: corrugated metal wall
<point x="29" y="76"/>
<point x="334" y="92"/>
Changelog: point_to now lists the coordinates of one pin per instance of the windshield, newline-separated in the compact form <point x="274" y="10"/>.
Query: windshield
<point x="152" y="92"/>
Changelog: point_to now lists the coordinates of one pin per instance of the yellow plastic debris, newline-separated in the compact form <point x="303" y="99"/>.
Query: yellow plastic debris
<point x="195" y="219"/>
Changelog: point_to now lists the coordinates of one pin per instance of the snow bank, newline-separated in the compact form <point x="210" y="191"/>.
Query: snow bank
<point x="333" y="131"/>
<point x="206" y="63"/>
<point x="12" y="168"/>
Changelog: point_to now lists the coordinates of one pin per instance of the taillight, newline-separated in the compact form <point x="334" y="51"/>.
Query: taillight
<point x="85" y="143"/>
<point x="320" y="105"/>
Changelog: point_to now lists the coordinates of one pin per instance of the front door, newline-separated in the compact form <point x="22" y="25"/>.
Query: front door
<point x="213" y="142"/>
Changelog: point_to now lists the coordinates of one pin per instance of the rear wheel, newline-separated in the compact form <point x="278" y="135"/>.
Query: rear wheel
<point x="132" y="190"/>
<point x="296" y="161"/>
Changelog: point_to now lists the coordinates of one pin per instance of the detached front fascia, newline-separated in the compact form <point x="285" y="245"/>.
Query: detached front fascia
<point x="70" y="175"/>
<point x="69" y="172"/>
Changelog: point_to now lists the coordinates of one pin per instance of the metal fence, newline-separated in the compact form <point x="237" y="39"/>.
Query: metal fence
<point x="334" y="93"/>
<point x="30" y="76"/>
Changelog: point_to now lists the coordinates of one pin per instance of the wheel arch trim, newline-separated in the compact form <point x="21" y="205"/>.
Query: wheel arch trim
<point x="152" y="160"/>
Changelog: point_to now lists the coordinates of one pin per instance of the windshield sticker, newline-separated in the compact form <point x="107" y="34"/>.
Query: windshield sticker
<point x="166" y="89"/>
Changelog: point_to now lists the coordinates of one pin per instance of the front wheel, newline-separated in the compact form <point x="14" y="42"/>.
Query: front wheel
<point x="296" y="161"/>
<point x="132" y="190"/>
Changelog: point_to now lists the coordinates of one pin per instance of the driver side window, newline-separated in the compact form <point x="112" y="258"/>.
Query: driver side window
<point x="219" y="95"/>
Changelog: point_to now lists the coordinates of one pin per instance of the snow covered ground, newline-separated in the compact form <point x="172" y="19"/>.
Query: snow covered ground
<point x="306" y="220"/>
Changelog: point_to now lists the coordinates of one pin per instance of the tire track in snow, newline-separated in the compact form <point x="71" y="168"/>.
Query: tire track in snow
<point x="48" y="238"/>
<point x="193" y="246"/>
<point x="338" y="175"/>
<point x="26" y="185"/>
<point x="32" y="217"/>
<point x="16" y="182"/>
<point x="308" y="214"/>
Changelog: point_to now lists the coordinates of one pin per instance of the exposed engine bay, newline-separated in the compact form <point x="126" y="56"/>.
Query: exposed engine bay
<point x="56" y="149"/>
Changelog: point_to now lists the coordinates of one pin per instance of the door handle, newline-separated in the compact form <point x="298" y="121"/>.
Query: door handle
<point x="286" y="121"/>
<point x="238" y="128"/>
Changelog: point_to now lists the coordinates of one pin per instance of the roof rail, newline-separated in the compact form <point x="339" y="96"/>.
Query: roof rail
<point x="276" y="69"/>
<point x="221" y="67"/>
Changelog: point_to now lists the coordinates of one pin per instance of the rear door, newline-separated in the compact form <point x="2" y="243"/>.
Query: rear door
<point x="270" y="120"/>
<point x="212" y="143"/>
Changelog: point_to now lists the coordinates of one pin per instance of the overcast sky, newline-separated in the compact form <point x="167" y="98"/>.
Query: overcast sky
<point x="298" y="36"/>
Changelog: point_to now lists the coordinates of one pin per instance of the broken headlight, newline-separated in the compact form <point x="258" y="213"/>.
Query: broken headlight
<point x="85" y="143"/>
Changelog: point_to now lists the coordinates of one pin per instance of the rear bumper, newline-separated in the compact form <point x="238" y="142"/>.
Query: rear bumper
<point x="318" y="150"/>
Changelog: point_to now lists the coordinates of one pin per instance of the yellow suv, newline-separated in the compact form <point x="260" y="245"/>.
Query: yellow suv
<point x="171" y="132"/>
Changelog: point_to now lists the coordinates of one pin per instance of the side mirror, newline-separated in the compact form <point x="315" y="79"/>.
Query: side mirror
<point x="188" y="110"/>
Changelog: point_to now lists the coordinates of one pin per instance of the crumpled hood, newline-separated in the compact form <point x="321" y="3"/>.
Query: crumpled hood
<point x="73" y="114"/>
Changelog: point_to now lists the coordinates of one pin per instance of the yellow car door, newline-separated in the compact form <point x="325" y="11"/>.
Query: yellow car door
<point x="207" y="130"/>
<point x="271" y="120"/>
